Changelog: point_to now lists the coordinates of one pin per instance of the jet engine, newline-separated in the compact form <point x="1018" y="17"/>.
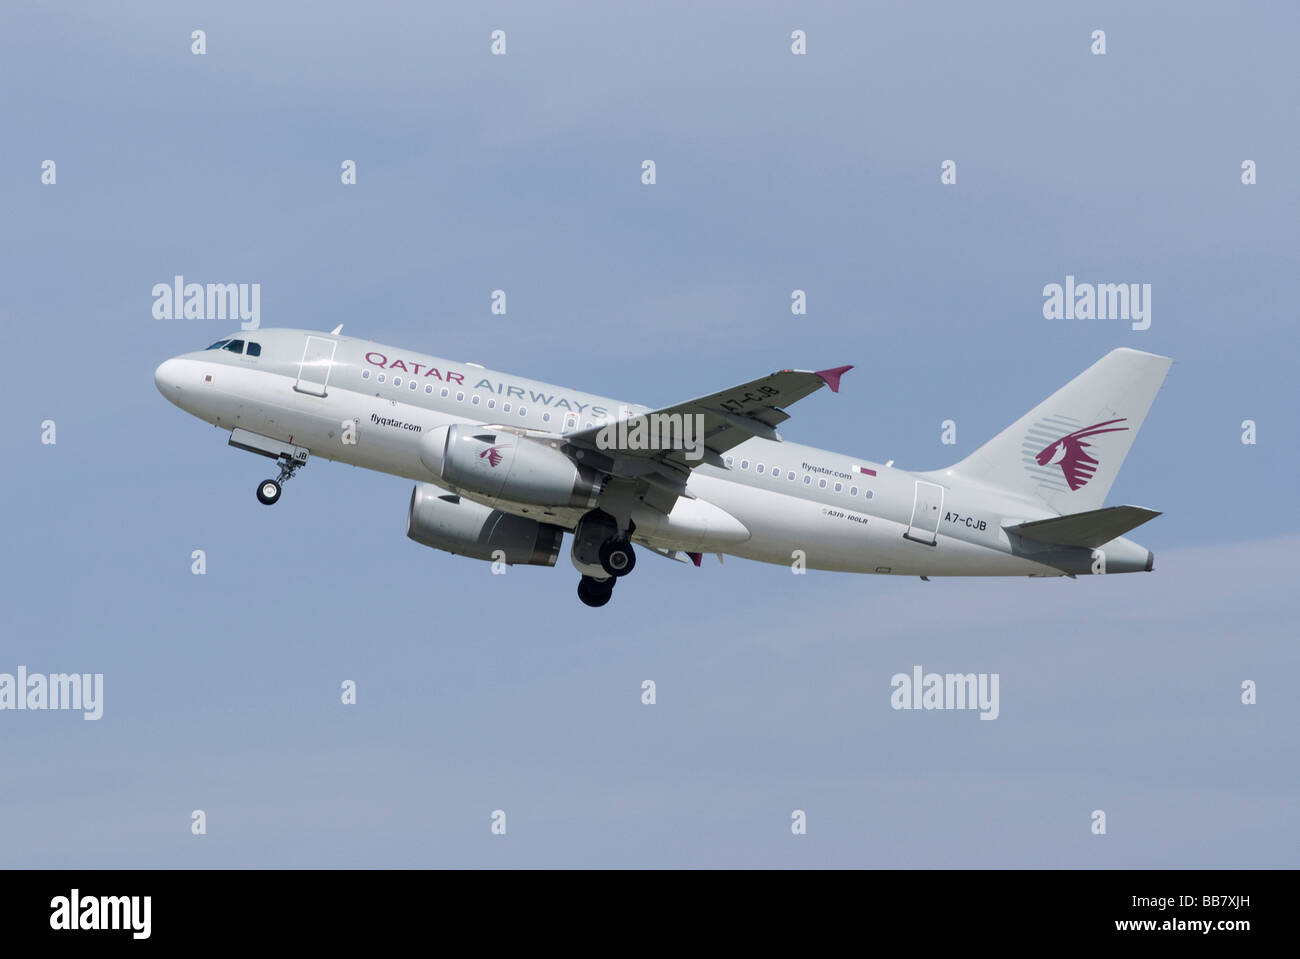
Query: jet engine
<point x="494" y="463"/>
<point x="448" y="522"/>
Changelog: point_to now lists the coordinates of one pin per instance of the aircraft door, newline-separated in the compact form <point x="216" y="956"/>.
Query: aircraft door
<point x="926" y="510"/>
<point x="317" y="360"/>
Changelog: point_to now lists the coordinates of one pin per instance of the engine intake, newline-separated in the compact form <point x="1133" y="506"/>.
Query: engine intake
<point x="494" y="463"/>
<point x="447" y="522"/>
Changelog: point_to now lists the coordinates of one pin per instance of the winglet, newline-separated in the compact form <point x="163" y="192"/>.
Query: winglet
<point x="696" y="558"/>
<point x="832" y="377"/>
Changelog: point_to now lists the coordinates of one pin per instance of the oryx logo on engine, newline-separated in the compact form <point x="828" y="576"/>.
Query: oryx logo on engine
<point x="493" y="455"/>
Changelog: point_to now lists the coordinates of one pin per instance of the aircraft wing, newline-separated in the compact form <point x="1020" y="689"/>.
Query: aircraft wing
<point x="709" y="425"/>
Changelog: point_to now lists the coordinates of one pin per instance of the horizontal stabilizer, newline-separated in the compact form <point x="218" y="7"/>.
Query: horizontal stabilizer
<point x="1090" y="529"/>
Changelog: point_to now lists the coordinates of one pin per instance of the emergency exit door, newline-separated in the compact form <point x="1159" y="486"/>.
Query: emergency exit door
<point x="927" y="507"/>
<point x="317" y="360"/>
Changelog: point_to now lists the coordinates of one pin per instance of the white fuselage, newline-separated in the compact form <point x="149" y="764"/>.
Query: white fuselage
<point x="783" y="502"/>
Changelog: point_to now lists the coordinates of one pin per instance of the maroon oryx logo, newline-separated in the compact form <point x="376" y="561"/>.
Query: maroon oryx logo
<point x="493" y="455"/>
<point x="1069" y="453"/>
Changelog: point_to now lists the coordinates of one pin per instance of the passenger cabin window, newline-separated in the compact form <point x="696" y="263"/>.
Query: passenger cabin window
<point x="254" y="349"/>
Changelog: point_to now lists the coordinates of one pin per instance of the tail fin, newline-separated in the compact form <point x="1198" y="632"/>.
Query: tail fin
<point x="1067" y="451"/>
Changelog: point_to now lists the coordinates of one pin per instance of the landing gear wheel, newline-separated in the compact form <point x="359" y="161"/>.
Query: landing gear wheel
<point x="616" y="557"/>
<point x="268" y="491"/>
<point x="593" y="592"/>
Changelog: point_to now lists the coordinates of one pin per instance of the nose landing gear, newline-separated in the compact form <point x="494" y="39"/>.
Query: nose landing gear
<point x="288" y="457"/>
<point x="268" y="491"/>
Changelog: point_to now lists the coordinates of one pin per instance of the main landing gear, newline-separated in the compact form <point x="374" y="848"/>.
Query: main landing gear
<point x="268" y="491"/>
<point x="616" y="557"/>
<point x="602" y="553"/>
<point x="595" y="592"/>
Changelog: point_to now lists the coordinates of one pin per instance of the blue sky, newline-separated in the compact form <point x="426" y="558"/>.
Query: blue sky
<point x="522" y="172"/>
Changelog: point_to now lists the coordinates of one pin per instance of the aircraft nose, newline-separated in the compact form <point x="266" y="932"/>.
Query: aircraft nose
<point x="168" y="379"/>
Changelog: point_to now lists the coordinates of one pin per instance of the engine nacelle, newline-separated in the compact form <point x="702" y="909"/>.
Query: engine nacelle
<point x="448" y="522"/>
<point x="494" y="463"/>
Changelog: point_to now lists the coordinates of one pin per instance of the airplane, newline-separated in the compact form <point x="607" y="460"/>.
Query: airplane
<point x="504" y="466"/>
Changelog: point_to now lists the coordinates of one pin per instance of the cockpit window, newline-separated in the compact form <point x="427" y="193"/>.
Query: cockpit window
<point x="234" y="346"/>
<point x="218" y="345"/>
<point x="254" y="349"/>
